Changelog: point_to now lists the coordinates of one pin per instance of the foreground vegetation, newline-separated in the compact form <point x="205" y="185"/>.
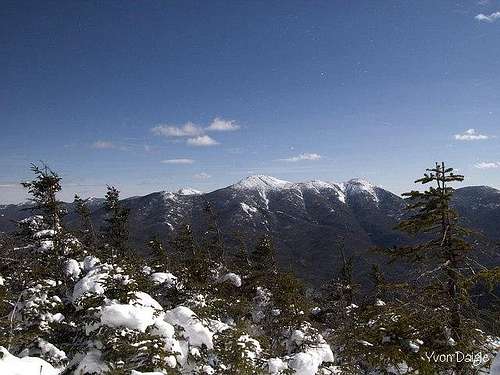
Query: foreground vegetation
<point x="83" y="301"/>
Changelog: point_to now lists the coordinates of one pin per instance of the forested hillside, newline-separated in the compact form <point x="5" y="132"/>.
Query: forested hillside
<point x="77" y="299"/>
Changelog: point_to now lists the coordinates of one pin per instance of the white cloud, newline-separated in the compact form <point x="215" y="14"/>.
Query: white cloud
<point x="102" y="145"/>
<point x="488" y="17"/>
<point x="222" y="125"/>
<point x="187" y="130"/>
<point x="202" y="176"/>
<point x="471" y="135"/>
<point x="202" y="140"/>
<point x="305" y="156"/>
<point x="487" y="165"/>
<point x="177" y="161"/>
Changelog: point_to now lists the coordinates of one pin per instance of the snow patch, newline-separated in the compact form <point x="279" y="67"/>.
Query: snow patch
<point x="129" y="316"/>
<point x="164" y="277"/>
<point x="232" y="278"/>
<point x="357" y="186"/>
<point x="12" y="365"/>
<point x="188" y="191"/>
<point x="194" y="331"/>
<point x="308" y="362"/>
<point x="72" y="268"/>
<point x="249" y="210"/>
<point x="92" y="283"/>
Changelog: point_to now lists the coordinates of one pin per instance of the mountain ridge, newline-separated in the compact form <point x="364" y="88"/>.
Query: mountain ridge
<point x="307" y="220"/>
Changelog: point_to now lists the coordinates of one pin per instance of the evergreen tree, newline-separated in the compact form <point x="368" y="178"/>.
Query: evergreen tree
<point x="447" y="249"/>
<point x="116" y="228"/>
<point x="43" y="190"/>
<point x="430" y="313"/>
<point x="263" y="265"/>
<point x="39" y="323"/>
<point x="213" y="243"/>
<point x="88" y="234"/>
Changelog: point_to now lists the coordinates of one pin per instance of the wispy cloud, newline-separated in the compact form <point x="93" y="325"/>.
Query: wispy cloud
<point x="196" y="135"/>
<point x="187" y="130"/>
<point x="177" y="161"/>
<point x="202" y="176"/>
<point x="301" y="157"/>
<point x="202" y="140"/>
<point x="222" y="125"/>
<point x="492" y="17"/>
<point x="471" y="135"/>
<point x="487" y="165"/>
<point x="102" y="145"/>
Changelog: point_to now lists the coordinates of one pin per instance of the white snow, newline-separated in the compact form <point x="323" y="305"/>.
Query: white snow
<point x="49" y="350"/>
<point x="261" y="182"/>
<point x="308" y="362"/>
<point x="356" y="186"/>
<point x="92" y="283"/>
<point x="232" y="278"/>
<point x="248" y="209"/>
<point x="46" y="245"/>
<point x="44" y="233"/>
<point x="128" y="316"/>
<point x="2" y="281"/>
<point x="276" y="365"/>
<point x="11" y="365"/>
<point x="89" y="263"/>
<point x="163" y="329"/>
<point x="72" y="268"/>
<point x="91" y="363"/>
<point x="194" y="331"/>
<point x="145" y="300"/>
<point x="252" y="346"/>
<point x="164" y="277"/>
<point x="188" y="191"/>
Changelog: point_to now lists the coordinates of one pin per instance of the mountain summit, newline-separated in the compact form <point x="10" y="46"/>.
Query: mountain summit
<point x="307" y="220"/>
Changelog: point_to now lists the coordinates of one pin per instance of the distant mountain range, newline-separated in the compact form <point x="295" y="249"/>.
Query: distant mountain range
<point x="308" y="220"/>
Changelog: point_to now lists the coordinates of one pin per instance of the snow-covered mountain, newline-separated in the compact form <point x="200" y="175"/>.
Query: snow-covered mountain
<point x="308" y="220"/>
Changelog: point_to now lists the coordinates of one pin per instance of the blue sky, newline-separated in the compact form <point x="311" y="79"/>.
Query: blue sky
<point x="102" y="91"/>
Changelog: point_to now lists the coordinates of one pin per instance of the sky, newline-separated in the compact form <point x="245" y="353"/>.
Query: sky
<point x="160" y="95"/>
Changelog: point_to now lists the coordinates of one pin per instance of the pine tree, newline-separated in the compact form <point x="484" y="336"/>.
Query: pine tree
<point x="263" y="266"/>
<point x="237" y="353"/>
<point x="88" y="234"/>
<point x="43" y="190"/>
<point x="446" y="318"/>
<point x="116" y="228"/>
<point x="213" y="243"/>
<point x="39" y="318"/>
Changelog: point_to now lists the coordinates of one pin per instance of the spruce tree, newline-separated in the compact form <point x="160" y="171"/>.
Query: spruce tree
<point x="263" y="264"/>
<point x="116" y="227"/>
<point x="88" y="234"/>
<point x="446" y="270"/>
<point x="43" y="190"/>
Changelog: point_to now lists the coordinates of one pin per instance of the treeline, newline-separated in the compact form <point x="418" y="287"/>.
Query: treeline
<point x="85" y="302"/>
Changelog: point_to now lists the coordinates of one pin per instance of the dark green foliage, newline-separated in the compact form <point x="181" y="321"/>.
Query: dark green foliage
<point x="263" y="265"/>
<point x="237" y="354"/>
<point x="87" y="233"/>
<point x="116" y="228"/>
<point x="213" y="243"/>
<point x="43" y="189"/>
<point x="433" y="311"/>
